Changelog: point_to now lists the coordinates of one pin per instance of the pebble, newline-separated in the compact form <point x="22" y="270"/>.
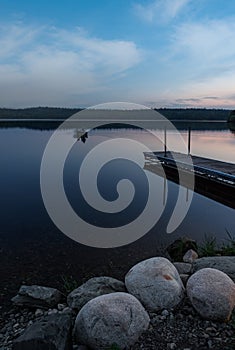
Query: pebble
<point x="188" y="332"/>
<point x="53" y="311"/>
<point x="165" y="313"/>
<point x="39" y="312"/>
<point x="61" y="307"/>
<point x="209" y="344"/>
<point x="67" y="309"/>
<point x="179" y="329"/>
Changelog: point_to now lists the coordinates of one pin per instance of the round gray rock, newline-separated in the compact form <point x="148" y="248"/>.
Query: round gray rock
<point x="93" y="288"/>
<point x="117" y="318"/>
<point x="212" y="294"/>
<point x="225" y="264"/>
<point x="156" y="283"/>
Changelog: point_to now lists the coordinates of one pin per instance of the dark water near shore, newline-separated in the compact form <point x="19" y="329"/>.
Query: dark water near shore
<point x="33" y="249"/>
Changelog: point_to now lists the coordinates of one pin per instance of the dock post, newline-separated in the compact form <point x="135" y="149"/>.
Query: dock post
<point x="189" y="140"/>
<point x="165" y="141"/>
<point x="164" y="191"/>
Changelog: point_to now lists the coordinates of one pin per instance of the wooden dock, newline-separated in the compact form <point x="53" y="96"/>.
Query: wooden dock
<point x="213" y="179"/>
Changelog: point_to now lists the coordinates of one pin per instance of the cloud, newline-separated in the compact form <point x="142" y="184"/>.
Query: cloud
<point x="53" y="66"/>
<point x="211" y="98"/>
<point x="187" y="100"/>
<point x="160" y="10"/>
<point x="201" y="62"/>
<point x="209" y="43"/>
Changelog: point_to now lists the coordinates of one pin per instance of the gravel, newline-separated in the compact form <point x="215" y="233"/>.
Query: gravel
<point x="178" y="329"/>
<point x="184" y="329"/>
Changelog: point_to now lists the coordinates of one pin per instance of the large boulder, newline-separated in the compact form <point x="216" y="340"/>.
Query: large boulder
<point x="111" y="319"/>
<point x="156" y="283"/>
<point x="37" y="296"/>
<point x="212" y="294"/>
<point x="225" y="264"/>
<point x="52" y="332"/>
<point x="93" y="288"/>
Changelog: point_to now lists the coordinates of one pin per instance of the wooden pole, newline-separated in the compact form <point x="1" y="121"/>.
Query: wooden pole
<point x="189" y="140"/>
<point x="164" y="190"/>
<point x="165" y="149"/>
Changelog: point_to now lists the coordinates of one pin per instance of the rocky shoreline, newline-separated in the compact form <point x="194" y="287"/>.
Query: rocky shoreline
<point x="180" y="329"/>
<point x="188" y="320"/>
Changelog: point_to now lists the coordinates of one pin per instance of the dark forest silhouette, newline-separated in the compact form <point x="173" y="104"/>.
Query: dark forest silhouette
<point x="64" y="113"/>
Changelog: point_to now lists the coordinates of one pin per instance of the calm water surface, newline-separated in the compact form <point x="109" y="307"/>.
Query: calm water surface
<point x="33" y="250"/>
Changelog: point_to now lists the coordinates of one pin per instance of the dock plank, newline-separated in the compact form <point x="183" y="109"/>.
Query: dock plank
<point x="213" y="179"/>
<point x="228" y="168"/>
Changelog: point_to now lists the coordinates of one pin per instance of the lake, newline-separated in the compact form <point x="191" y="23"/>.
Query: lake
<point x="34" y="250"/>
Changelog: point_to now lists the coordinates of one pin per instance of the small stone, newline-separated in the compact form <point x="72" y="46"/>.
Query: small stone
<point x="178" y="248"/>
<point x="183" y="267"/>
<point x="39" y="313"/>
<point x="190" y="256"/>
<point x="61" y="307"/>
<point x="211" y="330"/>
<point x="210" y="344"/>
<point x="171" y="346"/>
<point x="16" y="325"/>
<point x="165" y="313"/>
<point x="52" y="312"/>
<point x="67" y="309"/>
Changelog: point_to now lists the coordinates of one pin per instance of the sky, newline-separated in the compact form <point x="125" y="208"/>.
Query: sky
<point x="79" y="53"/>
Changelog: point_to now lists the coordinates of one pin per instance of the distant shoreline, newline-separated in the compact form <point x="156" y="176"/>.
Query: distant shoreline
<point x="61" y="114"/>
<point x="61" y="120"/>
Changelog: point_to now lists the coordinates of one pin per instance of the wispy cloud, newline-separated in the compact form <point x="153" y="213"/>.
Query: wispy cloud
<point x="201" y="59"/>
<point x="49" y="65"/>
<point x="160" y="10"/>
<point x="209" y="43"/>
<point x="211" y="98"/>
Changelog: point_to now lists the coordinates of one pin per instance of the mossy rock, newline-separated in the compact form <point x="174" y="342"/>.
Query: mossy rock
<point x="180" y="246"/>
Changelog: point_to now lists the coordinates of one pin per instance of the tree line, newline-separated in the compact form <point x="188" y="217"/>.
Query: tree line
<point x="64" y="113"/>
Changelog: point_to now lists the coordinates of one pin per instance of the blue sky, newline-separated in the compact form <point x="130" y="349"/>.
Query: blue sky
<point x="163" y="53"/>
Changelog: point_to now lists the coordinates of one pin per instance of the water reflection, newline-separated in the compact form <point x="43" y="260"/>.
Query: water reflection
<point x="30" y="242"/>
<point x="231" y="126"/>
